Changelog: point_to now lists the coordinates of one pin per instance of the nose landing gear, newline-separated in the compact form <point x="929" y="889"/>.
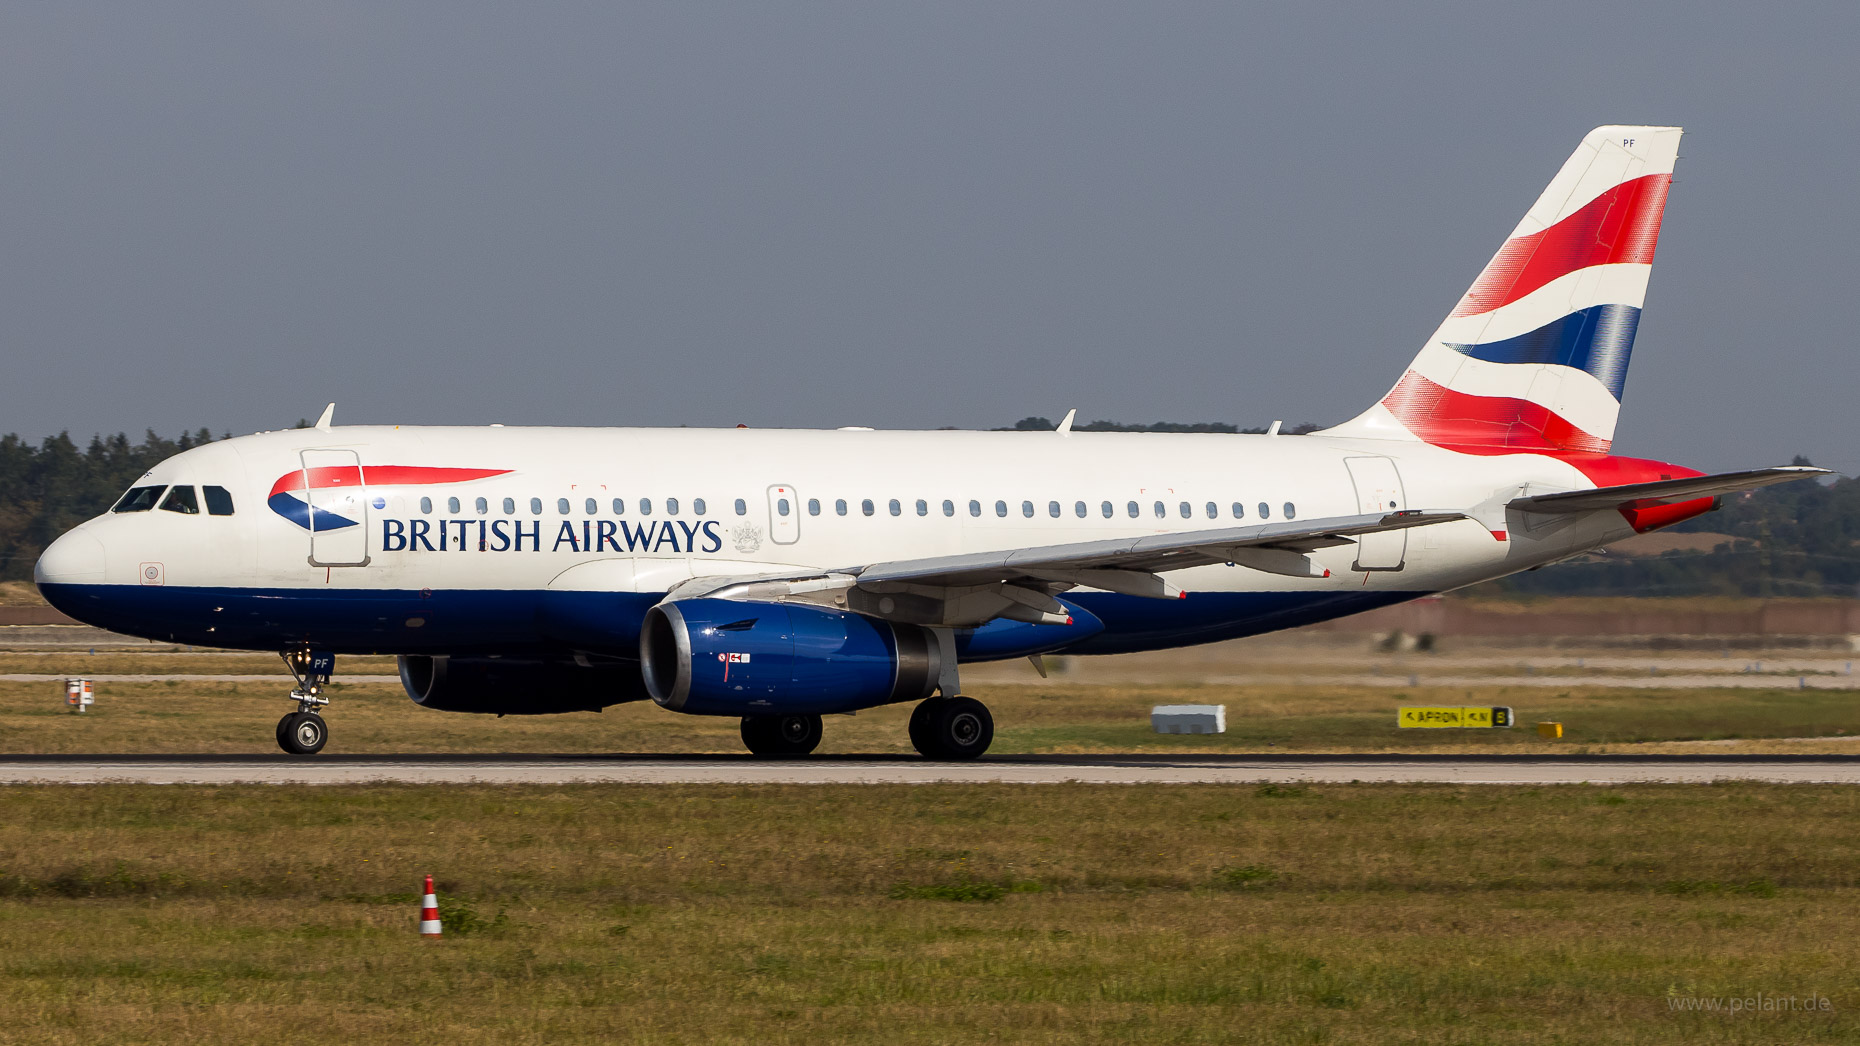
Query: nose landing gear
<point x="304" y="732"/>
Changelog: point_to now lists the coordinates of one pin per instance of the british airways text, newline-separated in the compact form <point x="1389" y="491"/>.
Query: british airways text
<point x="513" y="535"/>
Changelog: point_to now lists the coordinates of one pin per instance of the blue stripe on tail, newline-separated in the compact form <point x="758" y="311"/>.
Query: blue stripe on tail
<point x="1597" y="339"/>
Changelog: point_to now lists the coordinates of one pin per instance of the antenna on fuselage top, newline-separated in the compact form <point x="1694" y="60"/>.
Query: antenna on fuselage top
<point x="322" y="422"/>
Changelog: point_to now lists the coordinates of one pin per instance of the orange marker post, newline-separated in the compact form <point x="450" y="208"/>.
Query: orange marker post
<point x="429" y="912"/>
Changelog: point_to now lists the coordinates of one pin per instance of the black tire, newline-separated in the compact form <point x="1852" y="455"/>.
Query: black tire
<point x="960" y="729"/>
<point x="921" y="718"/>
<point x="781" y="736"/>
<point x="302" y="733"/>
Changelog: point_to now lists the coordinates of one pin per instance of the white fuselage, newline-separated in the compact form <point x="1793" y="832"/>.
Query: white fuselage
<point x="658" y="506"/>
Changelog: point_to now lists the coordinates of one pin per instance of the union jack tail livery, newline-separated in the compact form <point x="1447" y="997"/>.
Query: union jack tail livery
<point x="1533" y="358"/>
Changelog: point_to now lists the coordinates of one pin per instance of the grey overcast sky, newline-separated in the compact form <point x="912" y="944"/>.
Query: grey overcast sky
<point x="902" y="215"/>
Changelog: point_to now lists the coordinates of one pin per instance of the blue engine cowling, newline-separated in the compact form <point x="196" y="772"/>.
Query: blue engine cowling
<point x="730" y="657"/>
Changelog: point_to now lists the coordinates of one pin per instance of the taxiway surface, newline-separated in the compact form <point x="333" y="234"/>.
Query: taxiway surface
<point x="663" y="769"/>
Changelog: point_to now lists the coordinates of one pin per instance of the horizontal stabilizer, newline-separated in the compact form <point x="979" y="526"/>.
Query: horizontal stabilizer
<point x="1665" y="491"/>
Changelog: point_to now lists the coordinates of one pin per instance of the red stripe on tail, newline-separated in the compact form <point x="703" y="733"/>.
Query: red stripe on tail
<point x="1620" y="226"/>
<point x="1485" y="424"/>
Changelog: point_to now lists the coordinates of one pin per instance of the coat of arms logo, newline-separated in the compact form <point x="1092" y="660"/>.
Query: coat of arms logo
<point x="747" y="538"/>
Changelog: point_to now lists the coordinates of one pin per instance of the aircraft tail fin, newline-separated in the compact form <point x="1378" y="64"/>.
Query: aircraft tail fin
<point x="1534" y="356"/>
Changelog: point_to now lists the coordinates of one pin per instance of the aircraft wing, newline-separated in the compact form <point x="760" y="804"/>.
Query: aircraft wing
<point x="1147" y="554"/>
<point x="1665" y="491"/>
<point x="1127" y="565"/>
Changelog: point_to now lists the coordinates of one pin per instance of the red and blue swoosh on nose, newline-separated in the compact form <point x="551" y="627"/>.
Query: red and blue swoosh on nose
<point x="286" y="497"/>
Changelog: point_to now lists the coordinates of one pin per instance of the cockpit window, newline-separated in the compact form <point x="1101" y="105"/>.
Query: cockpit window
<point x="139" y="499"/>
<point x="182" y="500"/>
<point x="219" y="501"/>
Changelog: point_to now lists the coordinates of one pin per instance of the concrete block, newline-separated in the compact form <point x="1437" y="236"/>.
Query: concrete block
<point x="1189" y="719"/>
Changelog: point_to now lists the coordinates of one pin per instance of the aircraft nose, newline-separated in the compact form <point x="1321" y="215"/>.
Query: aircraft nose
<point x="74" y="559"/>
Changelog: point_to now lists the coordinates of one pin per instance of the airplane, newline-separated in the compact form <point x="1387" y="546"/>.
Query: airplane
<point x="778" y="576"/>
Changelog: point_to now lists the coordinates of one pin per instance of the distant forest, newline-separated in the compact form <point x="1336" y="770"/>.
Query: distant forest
<point x="1796" y="539"/>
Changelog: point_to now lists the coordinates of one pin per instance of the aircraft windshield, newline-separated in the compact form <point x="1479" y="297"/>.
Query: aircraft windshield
<point x="139" y="499"/>
<point x="182" y="500"/>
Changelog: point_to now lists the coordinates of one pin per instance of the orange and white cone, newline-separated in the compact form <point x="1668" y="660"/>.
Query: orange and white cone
<point x="429" y="912"/>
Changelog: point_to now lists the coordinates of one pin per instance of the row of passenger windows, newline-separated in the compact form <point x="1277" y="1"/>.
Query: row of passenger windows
<point x="1132" y="509"/>
<point x="867" y="507"/>
<point x="180" y="499"/>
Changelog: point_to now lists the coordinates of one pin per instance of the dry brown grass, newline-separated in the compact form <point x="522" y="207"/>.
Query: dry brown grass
<point x="1054" y="716"/>
<point x="20" y="594"/>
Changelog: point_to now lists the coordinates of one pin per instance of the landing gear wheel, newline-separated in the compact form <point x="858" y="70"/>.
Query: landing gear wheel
<point x="957" y="728"/>
<point x="921" y="718"/>
<point x="781" y="735"/>
<point x="302" y="733"/>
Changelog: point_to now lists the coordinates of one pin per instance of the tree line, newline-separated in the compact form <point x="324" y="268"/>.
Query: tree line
<point x="1795" y="539"/>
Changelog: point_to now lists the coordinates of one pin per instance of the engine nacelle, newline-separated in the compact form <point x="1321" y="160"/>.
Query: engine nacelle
<point x="729" y="657"/>
<point x="518" y="686"/>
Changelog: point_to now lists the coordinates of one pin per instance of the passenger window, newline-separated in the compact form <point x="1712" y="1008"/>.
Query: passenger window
<point x="866" y="506"/>
<point x="1026" y="509"/>
<point x="839" y="506"/>
<point x="619" y="506"/>
<point x="923" y="507"/>
<point x="591" y="507"/>
<point x="896" y="509"/>
<point x="510" y="506"/>
<point x="1106" y="509"/>
<point x="1185" y="509"/>
<point x="535" y="506"/>
<point x="182" y="500"/>
<point x="1265" y="511"/>
<point x="139" y="499"/>
<point x="671" y="507"/>
<point x="1001" y="508"/>
<point x="1214" y="511"/>
<point x="781" y="507"/>
<point x="949" y="507"/>
<point x="1291" y="511"/>
<point x="561" y="506"/>
<point x="219" y="501"/>
<point x="742" y="507"/>
<point x="975" y="507"/>
<point x="1052" y="509"/>
<point x="1079" y="510"/>
<point x="452" y="505"/>
<point x="426" y="506"/>
<point x="645" y="506"/>
<point x="1239" y="510"/>
<point x="697" y="506"/>
<point x="813" y="506"/>
<point x="483" y="506"/>
<point x="1162" y="511"/>
<point x="1132" y="509"/>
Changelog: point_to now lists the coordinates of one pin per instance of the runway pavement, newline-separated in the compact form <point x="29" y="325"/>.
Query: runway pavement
<point x="665" y="769"/>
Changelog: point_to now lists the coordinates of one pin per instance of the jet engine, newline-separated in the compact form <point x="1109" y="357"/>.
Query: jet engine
<point x="518" y="686"/>
<point x="740" y="658"/>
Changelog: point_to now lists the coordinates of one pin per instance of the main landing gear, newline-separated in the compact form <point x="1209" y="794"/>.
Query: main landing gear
<point x="304" y="732"/>
<point x="781" y="735"/>
<point x="952" y="728"/>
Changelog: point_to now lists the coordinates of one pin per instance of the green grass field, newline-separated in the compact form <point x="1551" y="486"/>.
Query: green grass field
<point x="1062" y="913"/>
